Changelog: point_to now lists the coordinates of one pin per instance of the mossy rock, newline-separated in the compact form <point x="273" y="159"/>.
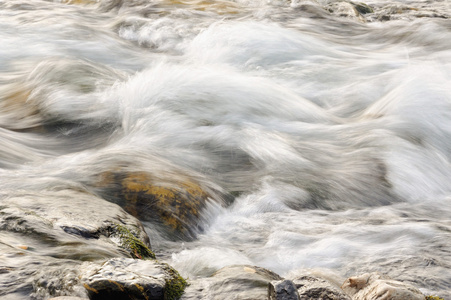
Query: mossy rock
<point x="130" y="242"/>
<point x="175" y="205"/>
<point x="125" y="278"/>
<point x="433" y="298"/>
<point x="362" y="8"/>
<point x="175" y="285"/>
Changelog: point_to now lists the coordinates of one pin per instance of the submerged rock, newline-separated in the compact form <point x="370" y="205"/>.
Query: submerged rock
<point x="18" y="110"/>
<point x="175" y="204"/>
<point x="80" y="2"/>
<point x="124" y="278"/>
<point x="310" y="287"/>
<point x="362" y="12"/>
<point x="345" y="9"/>
<point x="375" y="286"/>
<point x="362" y="8"/>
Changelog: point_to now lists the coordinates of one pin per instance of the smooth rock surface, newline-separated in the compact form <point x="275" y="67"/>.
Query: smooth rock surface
<point x="240" y="282"/>
<point x="345" y="9"/>
<point x="375" y="286"/>
<point x="175" y="203"/>
<point x="282" y="290"/>
<point x="315" y="288"/>
<point x="59" y="217"/>
<point x="125" y="278"/>
<point x="41" y="231"/>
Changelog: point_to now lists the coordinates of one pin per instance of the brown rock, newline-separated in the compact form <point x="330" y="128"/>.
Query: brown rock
<point x="175" y="204"/>
<point x="375" y="286"/>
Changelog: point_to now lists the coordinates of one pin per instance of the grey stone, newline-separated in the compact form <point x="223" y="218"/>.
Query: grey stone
<point x="70" y="227"/>
<point x="282" y="290"/>
<point x="315" y="288"/>
<point x="240" y="282"/>
<point x="345" y="9"/>
<point x="374" y="286"/>
<point x="362" y="8"/>
<point x="69" y="218"/>
<point x="125" y="278"/>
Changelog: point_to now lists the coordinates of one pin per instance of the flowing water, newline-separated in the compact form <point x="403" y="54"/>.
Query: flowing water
<point x="332" y="131"/>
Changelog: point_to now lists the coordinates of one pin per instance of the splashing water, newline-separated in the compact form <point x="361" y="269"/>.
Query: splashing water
<point x="330" y="128"/>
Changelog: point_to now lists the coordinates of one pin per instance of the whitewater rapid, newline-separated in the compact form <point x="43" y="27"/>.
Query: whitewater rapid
<point x="331" y="132"/>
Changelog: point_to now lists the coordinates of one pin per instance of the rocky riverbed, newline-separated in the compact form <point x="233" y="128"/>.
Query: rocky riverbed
<point x="244" y="149"/>
<point x="106" y="254"/>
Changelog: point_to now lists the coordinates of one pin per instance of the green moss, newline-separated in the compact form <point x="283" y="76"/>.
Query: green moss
<point x="175" y="286"/>
<point x="433" y="298"/>
<point x="362" y="8"/>
<point x="131" y="243"/>
<point x="235" y="194"/>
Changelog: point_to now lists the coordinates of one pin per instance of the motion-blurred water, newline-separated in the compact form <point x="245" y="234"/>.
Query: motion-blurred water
<point x="331" y="128"/>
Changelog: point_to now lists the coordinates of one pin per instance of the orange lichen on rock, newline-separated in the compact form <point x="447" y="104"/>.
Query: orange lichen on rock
<point x="176" y="204"/>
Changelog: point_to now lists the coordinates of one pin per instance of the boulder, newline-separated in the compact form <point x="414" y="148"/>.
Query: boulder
<point x="282" y="290"/>
<point x="406" y="12"/>
<point x="345" y="9"/>
<point x="41" y="232"/>
<point x="315" y="288"/>
<point x="362" y="8"/>
<point x="375" y="286"/>
<point x="125" y="278"/>
<point x="241" y="282"/>
<point x="76" y="224"/>
<point x="174" y="204"/>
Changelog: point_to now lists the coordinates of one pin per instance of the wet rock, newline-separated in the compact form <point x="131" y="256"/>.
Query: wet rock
<point x="405" y="12"/>
<point x="315" y="288"/>
<point x="80" y="2"/>
<point x="310" y="10"/>
<point x="53" y="280"/>
<point x="69" y="227"/>
<point x="68" y="298"/>
<point x="233" y="282"/>
<point x="376" y="286"/>
<point x="129" y="240"/>
<point x="362" y="8"/>
<point x="282" y="290"/>
<point x="60" y="219"/>
<point x="176" y="204"/>
<point x="18" y="111"/>
<point x="123" y="278"/>
<point x="345" y="9"/>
